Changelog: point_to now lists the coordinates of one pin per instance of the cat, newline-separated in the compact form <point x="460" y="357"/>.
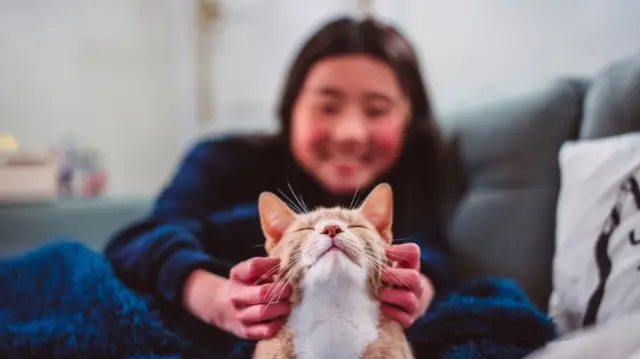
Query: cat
<point x="333" y="258"/>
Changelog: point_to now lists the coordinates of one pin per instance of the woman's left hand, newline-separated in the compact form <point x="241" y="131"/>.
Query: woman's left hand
<point x="407" y="292"/>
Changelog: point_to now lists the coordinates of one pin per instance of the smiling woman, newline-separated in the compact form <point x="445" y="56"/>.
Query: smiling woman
<point x="349" y="122"/>
<point x="354" y="114"/>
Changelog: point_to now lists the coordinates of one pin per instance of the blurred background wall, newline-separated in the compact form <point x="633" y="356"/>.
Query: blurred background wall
<point x="126" y="76"/>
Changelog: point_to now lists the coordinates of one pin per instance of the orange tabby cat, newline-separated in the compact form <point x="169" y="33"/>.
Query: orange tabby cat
<point x="333" y="258"/>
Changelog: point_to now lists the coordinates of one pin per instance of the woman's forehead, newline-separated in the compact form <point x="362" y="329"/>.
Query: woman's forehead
<point x="343" y="93"/>
<point x="352" y="74"/>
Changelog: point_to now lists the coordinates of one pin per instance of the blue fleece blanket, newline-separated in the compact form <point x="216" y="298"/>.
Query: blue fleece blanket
<point x="64" y="301"/>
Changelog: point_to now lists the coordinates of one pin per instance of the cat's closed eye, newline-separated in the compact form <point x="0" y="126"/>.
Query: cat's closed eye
<point x="352" y="226"/>
<point x="304" y="229"/>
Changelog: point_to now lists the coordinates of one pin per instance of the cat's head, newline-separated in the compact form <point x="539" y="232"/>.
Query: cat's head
<point x="330" y="243"/>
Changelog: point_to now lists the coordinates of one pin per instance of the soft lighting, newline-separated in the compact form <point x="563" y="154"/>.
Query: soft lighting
<point x="8" y="143"/>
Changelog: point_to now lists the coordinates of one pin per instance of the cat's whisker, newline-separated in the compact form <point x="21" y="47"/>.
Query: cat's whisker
<point x="280" y="285"/>
<point x="272" y="293"/>
<point x="359" y="201"/>
<point x="373" y="258"/>
<point x="274" y="270"/>
<point x="294" y="270"/>
<point x="304" y="205"/>
<point x="275" y="292"/>
<point x="375" y="261"/>
<point x="267" y="274"/>
<point x="372" y="255"/>
<point x="351" y="207"/>
<point x="351" y="244"/>
<point x="290" y="270"/>
<point x="358" y="249"/>
<point x="402" y="281"/>
<point x="300" y="203"/>
<point x="292" y="204"/>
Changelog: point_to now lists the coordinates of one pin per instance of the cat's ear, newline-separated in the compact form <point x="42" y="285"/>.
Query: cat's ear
<point x="377" y="208"/>
<point x="275" y="218"/>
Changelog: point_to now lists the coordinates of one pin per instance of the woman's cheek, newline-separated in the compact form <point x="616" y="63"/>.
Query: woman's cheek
<point x="306" y="138"/>
<point x="317" y="136"/>
<point x="388" y="140"/>
<point x="315" y="147"/>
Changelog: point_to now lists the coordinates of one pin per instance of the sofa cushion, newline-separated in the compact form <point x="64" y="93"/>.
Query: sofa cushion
<point x="505" y="180"/>
<point x="612" y="104"/>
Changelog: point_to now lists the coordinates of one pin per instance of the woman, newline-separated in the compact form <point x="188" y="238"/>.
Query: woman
<point x="354" y="113"/>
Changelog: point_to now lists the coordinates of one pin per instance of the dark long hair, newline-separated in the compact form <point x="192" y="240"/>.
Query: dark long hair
<point x="419" y="165"/>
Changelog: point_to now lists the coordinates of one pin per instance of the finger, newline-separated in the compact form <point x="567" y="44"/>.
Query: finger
<point x="263" y="330"/>
<point x="404" y="300"/>
<point x="250" y="271"/>
<point x="427" y="289"/>
<point x="404" y="278"/>
<point x="246" y="295"/>
<point x="260" y="313"/>
<point x="402" y="317"/>
<point x="406" y="254"/>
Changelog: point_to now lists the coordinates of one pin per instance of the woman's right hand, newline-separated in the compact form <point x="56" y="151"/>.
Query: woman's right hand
<point x="249" y="304"/>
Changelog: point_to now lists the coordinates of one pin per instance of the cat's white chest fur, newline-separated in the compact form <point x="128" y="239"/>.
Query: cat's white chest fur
<point x="336" y="318"/>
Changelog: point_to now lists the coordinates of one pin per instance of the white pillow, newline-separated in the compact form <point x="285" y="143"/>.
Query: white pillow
<point x="619" y="339"/>
<point x="599" y="182"/>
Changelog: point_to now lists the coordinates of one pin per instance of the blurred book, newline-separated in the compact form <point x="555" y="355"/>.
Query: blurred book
<point x="28" y="177"/>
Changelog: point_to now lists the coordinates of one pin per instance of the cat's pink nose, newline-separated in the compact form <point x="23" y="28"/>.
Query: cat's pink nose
<point x="332" y="230"/>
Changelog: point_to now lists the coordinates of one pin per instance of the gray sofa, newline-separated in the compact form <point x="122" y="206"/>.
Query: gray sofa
<point x="503" y="178"/>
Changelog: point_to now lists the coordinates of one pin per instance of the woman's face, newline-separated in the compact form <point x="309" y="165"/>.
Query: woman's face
<point x="349" y="122"/>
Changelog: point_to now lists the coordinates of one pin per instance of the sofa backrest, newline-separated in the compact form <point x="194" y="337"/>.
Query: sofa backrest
<point x="504" y="173"/>
<point x="25" y="227"/>
<point x="505" y="179"/>
<point x="612" y="105"/>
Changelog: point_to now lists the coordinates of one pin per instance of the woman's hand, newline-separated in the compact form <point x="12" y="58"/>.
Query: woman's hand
<point x="407" y="292"/>
<point x="249" y="304"/>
